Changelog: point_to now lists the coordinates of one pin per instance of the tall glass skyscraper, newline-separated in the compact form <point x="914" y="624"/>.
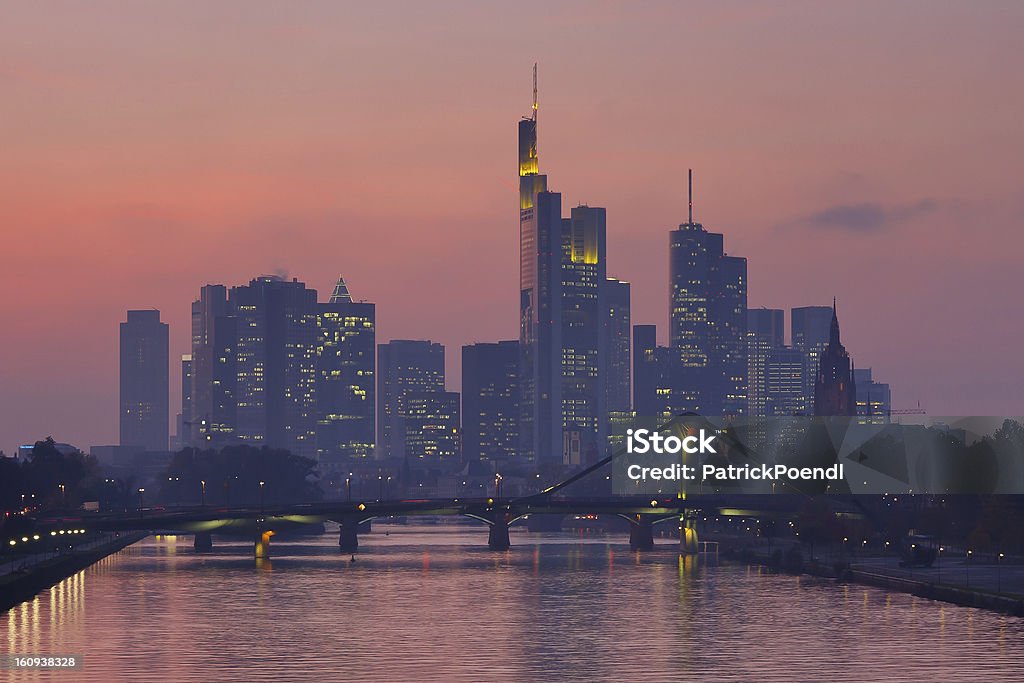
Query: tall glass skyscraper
<point x="809" y="329"/>
<point x="765" y="336"/>
<point x="708" y="323"/>
<point x="345" y="377"/>
<point x="144" y="367"/>
<point x="275" y="361"/>
<point x="563" y="330"/>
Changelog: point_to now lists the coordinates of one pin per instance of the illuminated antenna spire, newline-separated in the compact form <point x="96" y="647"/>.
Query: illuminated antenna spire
<point x="535" y="91"/>
<point x="690" y="184"/>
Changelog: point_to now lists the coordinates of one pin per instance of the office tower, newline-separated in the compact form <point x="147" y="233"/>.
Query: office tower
<point x="540" y="222"/>
<point x="584" y="415"/>
<point x="651" y="364"/>
<point x="490" y="401"/>
<point x="617" y="328"/>
<point x="765" y="335"/>
<point x="835" y="393"/>
<point x="784" y="382"/>
<point x="181" y="435"/>
<point x="429" y="425"/>
<point x="562" y="276"/>
<point x="275" y="358"/>
<point x="708" y="320"/>
<point x="144" y="369"/>
<point x="809" y="332"/>
<point x="345" y="377"/>
<point x="874" y="400"/>
<point x="212" y="414"/>
<point x="403" y="367"/>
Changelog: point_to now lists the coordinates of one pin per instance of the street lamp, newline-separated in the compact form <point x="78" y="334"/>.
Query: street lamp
<point x="497" y="486"/>
<point x="63" y="496"/>
<point x="202" y="483"/>
<point x="262" y="485"/>
<point x="967" y="571"/>
<point x="141" y="491"/>
<point x="999" y="573"/>
<point x="348" y="487"/>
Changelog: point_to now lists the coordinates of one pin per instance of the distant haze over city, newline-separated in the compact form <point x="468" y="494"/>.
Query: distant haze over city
<point x="848" y="151"/>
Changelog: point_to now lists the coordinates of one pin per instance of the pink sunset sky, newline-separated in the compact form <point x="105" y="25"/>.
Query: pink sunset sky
<point x="870" y="151"/>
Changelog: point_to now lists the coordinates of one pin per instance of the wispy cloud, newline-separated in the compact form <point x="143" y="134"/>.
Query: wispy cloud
<point x="868" y="216"/>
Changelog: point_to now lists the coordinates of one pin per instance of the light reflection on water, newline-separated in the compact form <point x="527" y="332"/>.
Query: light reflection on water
<point x="434" y="603"/>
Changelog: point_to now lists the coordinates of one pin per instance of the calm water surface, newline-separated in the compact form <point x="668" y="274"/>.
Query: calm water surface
<point x="431" y="603"/>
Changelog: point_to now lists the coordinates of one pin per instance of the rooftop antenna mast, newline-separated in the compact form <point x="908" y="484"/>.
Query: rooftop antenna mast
<point x="534" y="115"/>
<point x="690" y="184"/>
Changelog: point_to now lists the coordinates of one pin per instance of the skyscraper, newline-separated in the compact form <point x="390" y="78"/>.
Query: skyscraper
<point x="403" y="367"/>
<point x="562" y="317"/>
<point x="583" y="340"/>
<point x="345" y="377"/>
<point x="181" y="436"/>
<point x="835" y="393"/>
<point x="784" y="382"/>
<point x="765" y="335"/>
<point x="490" y="401"/>
<point x="708" y="320"/>
<point x="213" y="411"/>
<point x="144" y="369"/>
<point x="617" y="328"/>
<point x="809" y="332"/>
<point x="276" y="363"/>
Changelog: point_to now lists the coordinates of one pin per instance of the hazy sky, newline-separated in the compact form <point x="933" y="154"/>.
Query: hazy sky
<point x="867" y="151"/>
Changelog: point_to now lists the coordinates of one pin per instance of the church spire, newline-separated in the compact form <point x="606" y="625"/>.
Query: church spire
<point x="834" y="332"/>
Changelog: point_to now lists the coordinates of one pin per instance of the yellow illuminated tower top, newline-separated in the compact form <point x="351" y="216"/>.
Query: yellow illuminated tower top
<point x="528" y="163"/>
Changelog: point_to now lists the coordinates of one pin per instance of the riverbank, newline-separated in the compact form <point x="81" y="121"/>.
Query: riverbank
<point x="881" y="577"/>
<point x="25" y="583"/>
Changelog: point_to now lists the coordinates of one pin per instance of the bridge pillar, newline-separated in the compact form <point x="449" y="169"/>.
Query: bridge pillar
<point x="203" y="542"/>
<point x="348" y="537"/>
<point x="688" y="542"/>
<point x="262" y="548"/>
<point x="641" y="534"/>
<point x="497" y="534"/>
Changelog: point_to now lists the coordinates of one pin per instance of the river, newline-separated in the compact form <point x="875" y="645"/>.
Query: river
<point x="432" y="603"/>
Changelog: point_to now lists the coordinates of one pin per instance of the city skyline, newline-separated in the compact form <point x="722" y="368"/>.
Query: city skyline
<point x="860" y="228"/>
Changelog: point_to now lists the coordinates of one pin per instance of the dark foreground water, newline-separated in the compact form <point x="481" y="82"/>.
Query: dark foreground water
<point x="427" y="603"/>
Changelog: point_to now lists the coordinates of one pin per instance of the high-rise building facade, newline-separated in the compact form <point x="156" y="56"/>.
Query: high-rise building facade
<point x="212" y="414"/>
<point x="144" y="369"/>
<point x="618" y="331"/>
<point x="784" y="383"/>
<point x="583" y="341"/>
<point x="403" y="367"/>
<point x="182" y="429"/>
<point x="765" y="336"/>
<point x="809" y="332"/>
<point x="275" y="360"/>
<point x="429" y="425"/>
<point x="563" y="334"/>
<point x="345" y="377"/>
<point x="490" y="401"/>
<point x="874" y="399"/>
<point x="835" y="393"/>
<point x="708" y="321"/>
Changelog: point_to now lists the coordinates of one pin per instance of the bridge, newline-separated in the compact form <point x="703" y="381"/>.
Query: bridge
<point x="263" y="522"/>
